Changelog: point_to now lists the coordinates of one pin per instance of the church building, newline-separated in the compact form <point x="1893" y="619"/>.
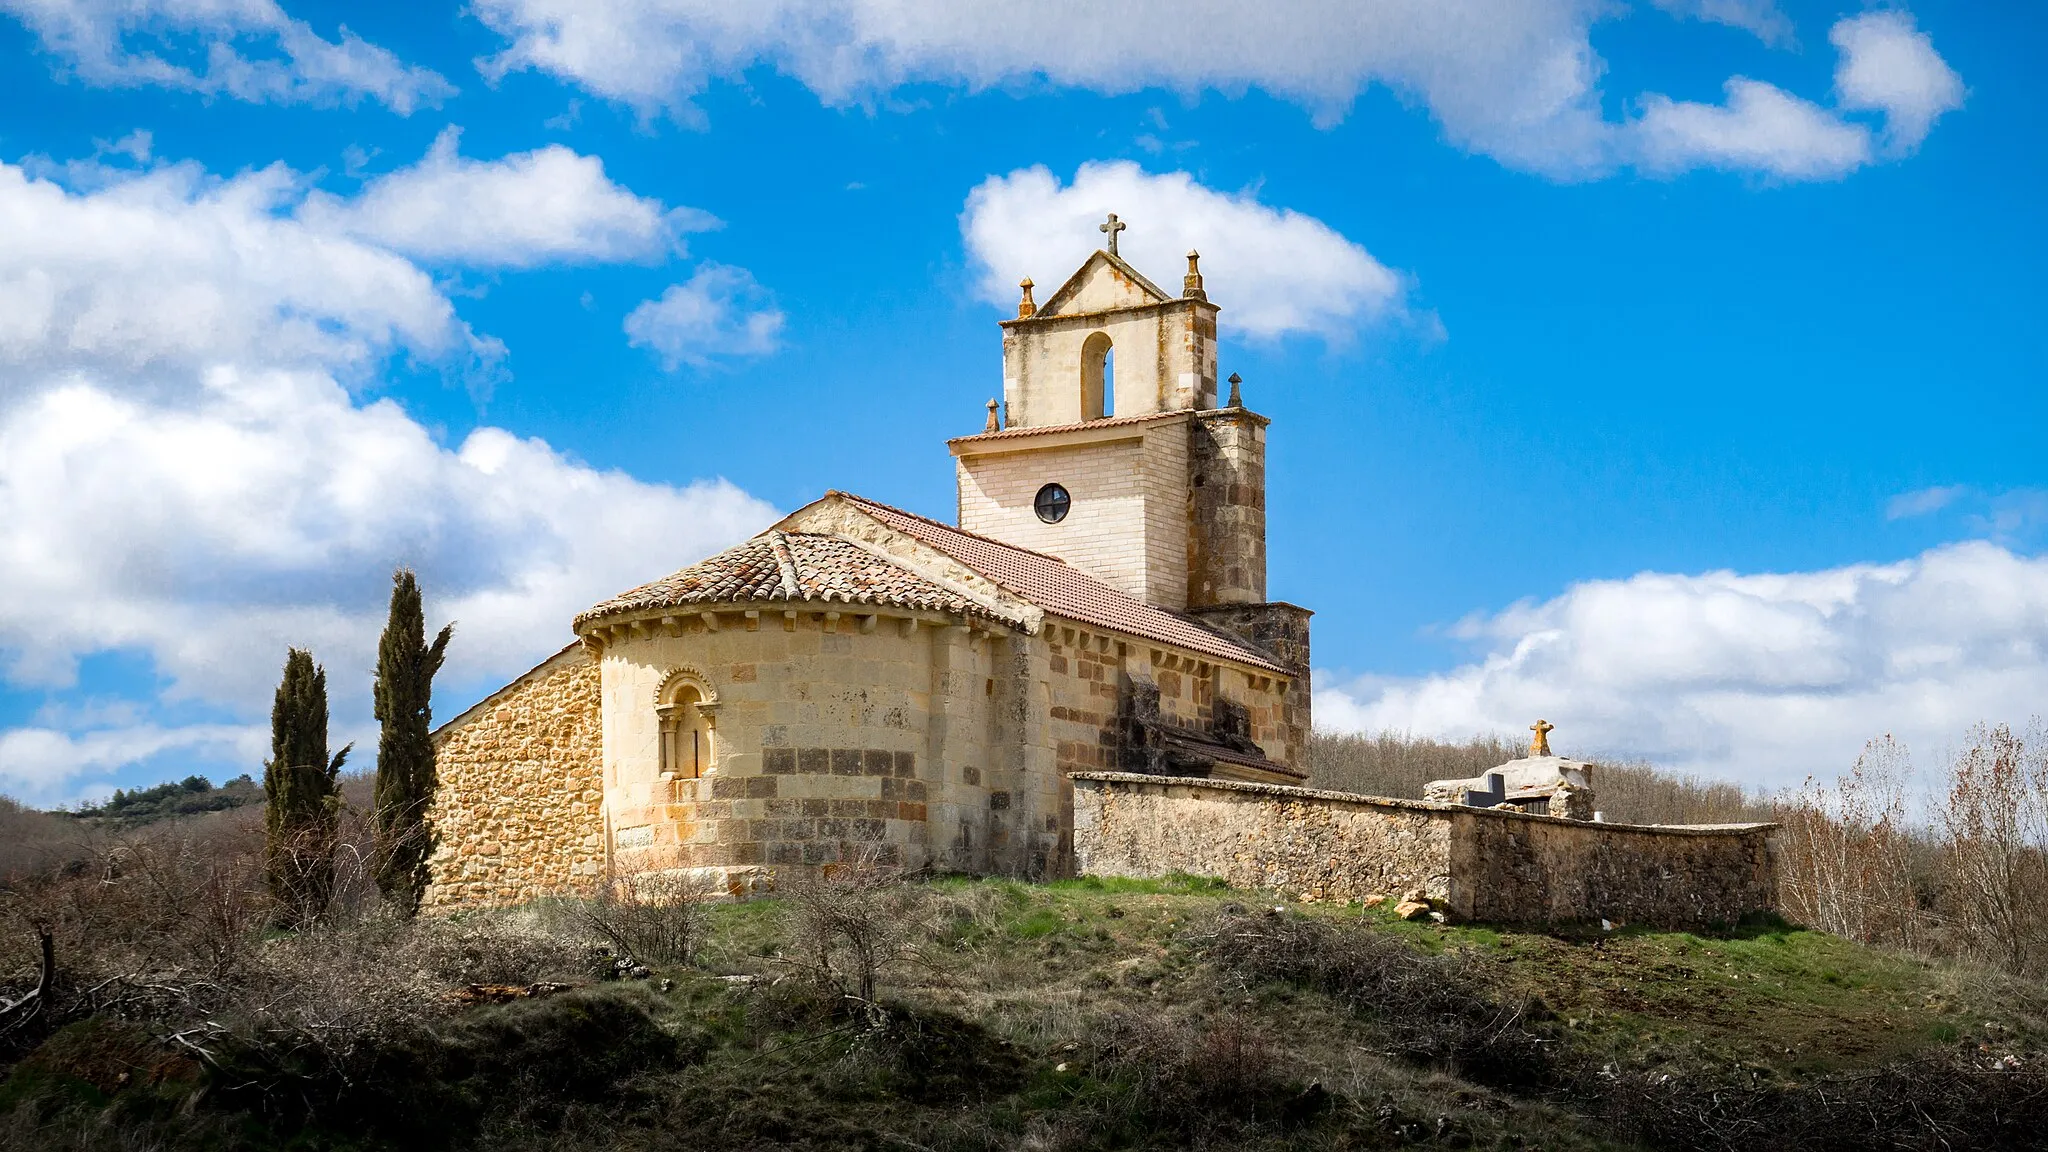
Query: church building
<point x="861" y="681"/>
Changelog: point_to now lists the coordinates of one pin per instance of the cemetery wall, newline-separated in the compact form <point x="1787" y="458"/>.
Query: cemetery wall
<point x="1477" y="864"/>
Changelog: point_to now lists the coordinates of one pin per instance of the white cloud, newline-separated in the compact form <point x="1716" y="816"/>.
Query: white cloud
<point x="1762" y="128"/>
<point x="176" y="267"/>
<point x="183" y="476"/>
<point x="544" y="206"/>
<point x="1278" y="272"/>
<point x="247" y="49"/>
<point x="1889" y="66"/>
<point x="1512" y="78"/>
<point x="1760" y="17"/>
<point x="1922" y="502"/>
<point x="43" y="766"/>
<point x="1517" y="80"/>
<point x="1885" y="66"/>
<point x="720" y="311"/>
<point x="1757" y="678"/>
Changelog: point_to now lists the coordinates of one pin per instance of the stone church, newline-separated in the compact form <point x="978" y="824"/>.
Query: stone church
<point x="861" y="680"/>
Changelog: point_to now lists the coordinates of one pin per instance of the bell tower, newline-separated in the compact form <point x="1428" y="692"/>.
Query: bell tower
<point x="1114" y="454"/>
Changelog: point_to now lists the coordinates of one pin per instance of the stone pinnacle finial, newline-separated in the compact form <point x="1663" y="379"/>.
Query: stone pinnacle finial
<point x="1191" y="285"/>
<point x="1540" y="745"/>
<point x="1111" y="228"/>
<point x="1026" y="307"/>
<point x="1236" y="400"/>
<point x="993" y="425"/>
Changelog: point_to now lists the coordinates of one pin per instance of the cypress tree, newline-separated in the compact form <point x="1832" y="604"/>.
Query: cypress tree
<point x="299" y="823"/>
<point x="406" y="664"/>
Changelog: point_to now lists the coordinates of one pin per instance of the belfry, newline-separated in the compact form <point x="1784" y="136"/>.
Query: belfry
<point x="858" y="681"/>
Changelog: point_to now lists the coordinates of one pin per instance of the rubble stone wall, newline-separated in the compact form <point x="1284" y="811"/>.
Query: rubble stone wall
<point x="1481" y="864"/>
<point x="1322" y="845"/>
<point x="519" y="811"/>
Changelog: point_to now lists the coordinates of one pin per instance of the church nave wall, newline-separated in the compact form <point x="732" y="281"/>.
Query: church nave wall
<point x="519" y="810"/>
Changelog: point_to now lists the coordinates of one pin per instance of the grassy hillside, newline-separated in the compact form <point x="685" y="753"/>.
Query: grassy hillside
<point x="1064" y="1016"/>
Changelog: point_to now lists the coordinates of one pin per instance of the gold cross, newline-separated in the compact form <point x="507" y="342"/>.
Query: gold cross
<point x="1112" y="228"/>
<point x="1540" y="746"/>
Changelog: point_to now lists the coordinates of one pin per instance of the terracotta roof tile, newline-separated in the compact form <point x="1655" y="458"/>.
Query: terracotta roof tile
<point x="793" y="566"/>
<point x="1105" y="422"/>
<point x="1063" y="590"/>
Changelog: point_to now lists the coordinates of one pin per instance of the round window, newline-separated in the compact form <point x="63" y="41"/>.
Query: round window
<point x="1052" y="503"/>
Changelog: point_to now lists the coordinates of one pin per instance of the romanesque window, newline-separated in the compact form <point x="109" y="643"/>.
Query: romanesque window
<point x="685" y="734"/>
<point x="1098" y="377"/>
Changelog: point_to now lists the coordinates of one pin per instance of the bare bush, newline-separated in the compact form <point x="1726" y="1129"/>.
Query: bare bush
<point x="1438" y="1009"/>
<point x="1846" y="852"/>
<point x="1637" y="792"/>
<point x="853" y="922"/>
<point x="654" y="919"/>
<point x="1995" y="826"/>
<point x="1399" y="764"/>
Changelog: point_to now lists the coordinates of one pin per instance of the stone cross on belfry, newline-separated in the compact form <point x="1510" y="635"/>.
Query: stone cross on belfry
<point x="1540" y="744"/>
<point x="1112" y="228"/>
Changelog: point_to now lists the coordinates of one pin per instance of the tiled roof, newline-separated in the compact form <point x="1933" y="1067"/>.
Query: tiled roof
<point x="1105" y="422"/>
<point x="790" y="566"/>
<point x="1063" y="590"/>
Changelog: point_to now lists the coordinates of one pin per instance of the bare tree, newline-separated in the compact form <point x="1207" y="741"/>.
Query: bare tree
<point x="1995" y="823"/>
<point x="1846" y="851"/>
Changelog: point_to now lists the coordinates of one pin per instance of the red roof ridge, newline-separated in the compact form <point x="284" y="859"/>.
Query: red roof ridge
<point x="1101" y="422"/>
<point x="952" y="528"/>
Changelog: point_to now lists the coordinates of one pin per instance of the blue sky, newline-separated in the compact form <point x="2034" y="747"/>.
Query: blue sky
<point x="1672" y="370"/>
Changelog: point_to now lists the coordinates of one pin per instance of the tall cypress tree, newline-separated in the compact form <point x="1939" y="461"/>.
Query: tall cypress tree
<point x="299" y="782"/>
<point x="406" y="664"/>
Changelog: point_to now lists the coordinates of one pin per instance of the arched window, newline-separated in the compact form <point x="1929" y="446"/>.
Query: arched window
<point x="1098" y="377"/>
<point x="685" y="734"/>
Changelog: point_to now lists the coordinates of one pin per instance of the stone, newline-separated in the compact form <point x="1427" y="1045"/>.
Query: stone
<point x="1412" y="910"/>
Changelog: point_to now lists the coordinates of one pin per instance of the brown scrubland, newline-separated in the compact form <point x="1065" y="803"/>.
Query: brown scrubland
<point x="1897" y="1004"/>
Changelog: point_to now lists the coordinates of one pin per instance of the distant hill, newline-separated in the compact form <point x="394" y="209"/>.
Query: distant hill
<point x="191" y="796"/>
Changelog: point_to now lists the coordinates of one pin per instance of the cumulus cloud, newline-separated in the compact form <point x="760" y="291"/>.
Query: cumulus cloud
<point x="1885" y="66"/>
<point x="247" y="49"/>
<point x="39" y="765"/>
<point x="549" y="205"/>
<point x="720" y="311"/>
<point x="1511" y="78"/>
<point x="1278" y="271"/>
<point x="185" y="477"/>
<point x="174" y="266"/>
<point x="1517" y="80"/>
<point x="1758" y="678"/>
<point x="1761" y="128"/>
<point x="1889" y="66"/>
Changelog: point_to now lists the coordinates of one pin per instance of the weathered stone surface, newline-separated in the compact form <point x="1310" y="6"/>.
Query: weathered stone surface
<point x="1472" y="863"/>
<point x="519" y="810"/>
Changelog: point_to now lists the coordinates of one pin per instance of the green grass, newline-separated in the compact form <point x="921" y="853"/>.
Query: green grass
<point x="1093" y="1014"/>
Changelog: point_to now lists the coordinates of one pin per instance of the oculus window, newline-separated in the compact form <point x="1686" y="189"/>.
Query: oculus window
<point x="1052" y="503"/>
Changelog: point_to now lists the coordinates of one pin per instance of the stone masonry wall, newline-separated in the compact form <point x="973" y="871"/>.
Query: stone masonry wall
<point x="1502" y="867"/>
<point x="1324" y="845"/>
<point x="1513" y="867"/>
<point x="519" y="812"/>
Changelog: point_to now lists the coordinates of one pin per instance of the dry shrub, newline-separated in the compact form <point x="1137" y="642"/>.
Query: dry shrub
<point x="652" y="919"/>
<point x="1148" y="1080"/>
<point x="1846" y="852"/>
<point x="850" y="924"/>
<point x="1636" y="792"/>
<point x="1444" y="1010"/>
<point x="1398" y="763"/>
<point x="1995" y="830"/>
<point x="1950" y="1101"/>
